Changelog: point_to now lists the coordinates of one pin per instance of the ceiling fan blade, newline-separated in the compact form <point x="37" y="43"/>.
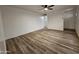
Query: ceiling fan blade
<point x="50" y="8"/>
<point x="51" y="5"/>
<point x="42" y="5"/>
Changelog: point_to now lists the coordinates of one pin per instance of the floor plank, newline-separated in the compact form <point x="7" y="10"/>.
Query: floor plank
<point x="44" y="42"/>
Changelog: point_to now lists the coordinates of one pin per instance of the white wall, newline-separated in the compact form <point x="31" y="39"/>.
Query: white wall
<point x="69" y="19"/>
<point x="18" y="22"/>
<point x="55" y="21"/>
<point x="1" y="27"/>
<point x="77" y="21"/>
<point x="2" y="38"/>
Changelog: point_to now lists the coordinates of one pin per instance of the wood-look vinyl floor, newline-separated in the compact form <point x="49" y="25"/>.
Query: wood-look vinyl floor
<point x="44" y="42"/>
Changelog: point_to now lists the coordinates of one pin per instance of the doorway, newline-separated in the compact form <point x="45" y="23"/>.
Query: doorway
<point x="69" y="20"/>
<point x="45" y="20"/>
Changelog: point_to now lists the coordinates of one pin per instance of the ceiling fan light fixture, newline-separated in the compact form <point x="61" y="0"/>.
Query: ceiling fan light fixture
<point x="45" y="9"/>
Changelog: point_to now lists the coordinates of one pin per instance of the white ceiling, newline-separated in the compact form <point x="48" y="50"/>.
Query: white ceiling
<point x="38" y="8"/>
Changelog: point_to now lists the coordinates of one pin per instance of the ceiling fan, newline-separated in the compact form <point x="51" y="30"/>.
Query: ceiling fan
<point x="47" y="7"/>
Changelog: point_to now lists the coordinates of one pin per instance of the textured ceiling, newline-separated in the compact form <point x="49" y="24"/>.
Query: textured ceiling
<point x="38" y="8"/>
